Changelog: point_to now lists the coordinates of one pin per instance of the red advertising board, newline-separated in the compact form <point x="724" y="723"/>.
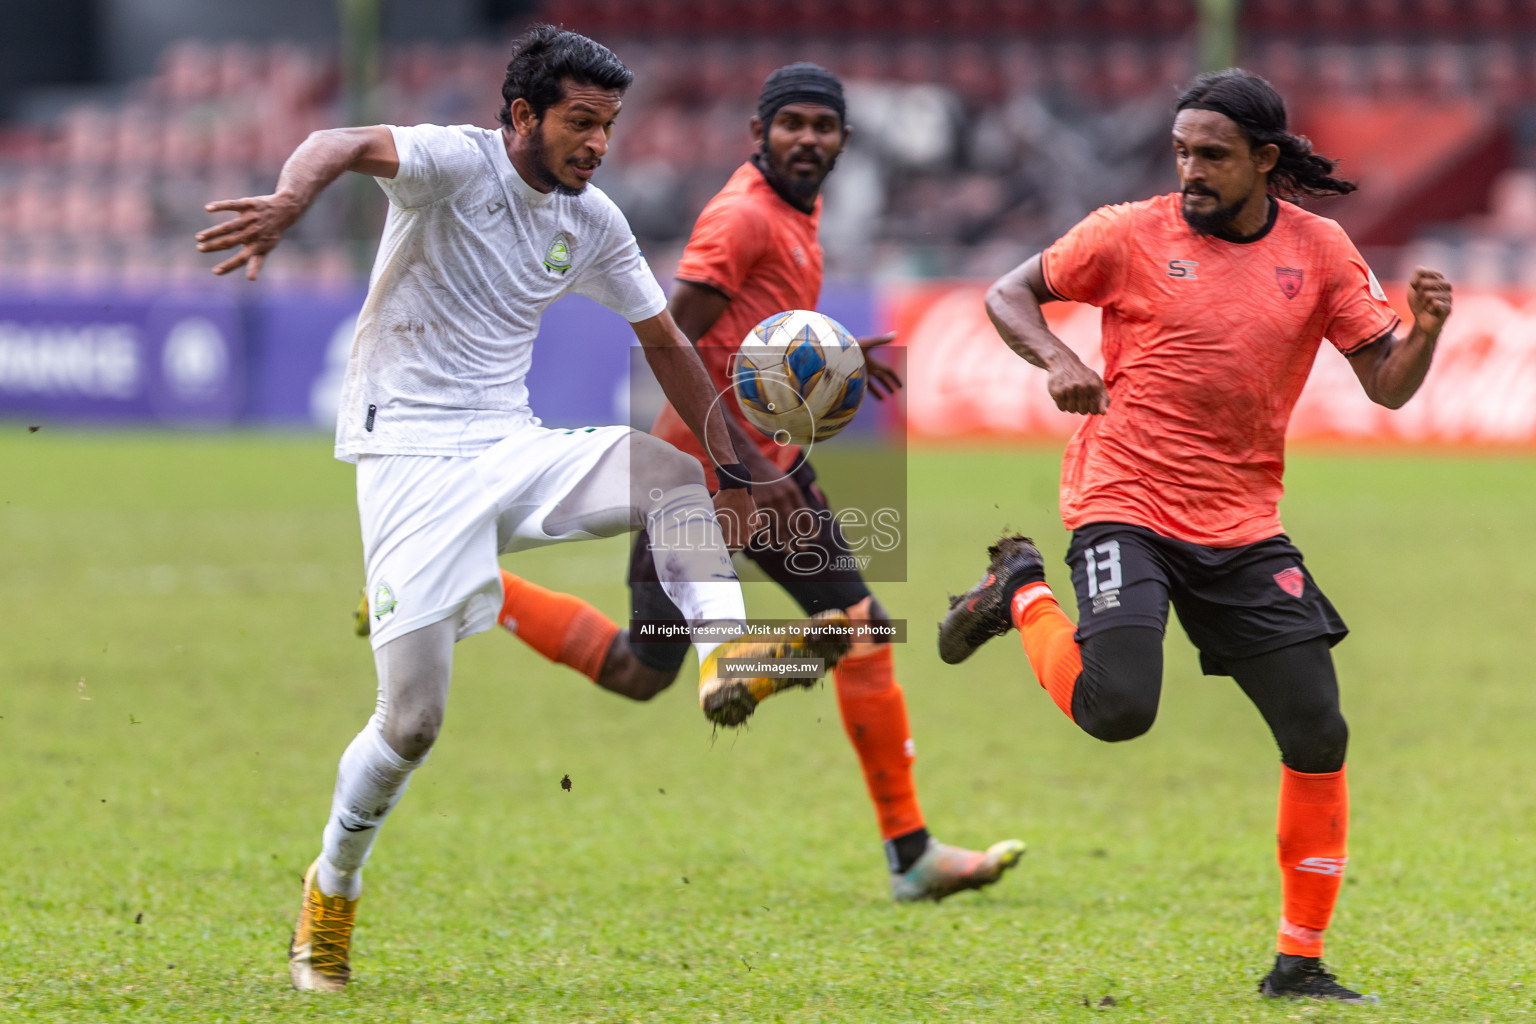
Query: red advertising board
<point x="964" y="382"/>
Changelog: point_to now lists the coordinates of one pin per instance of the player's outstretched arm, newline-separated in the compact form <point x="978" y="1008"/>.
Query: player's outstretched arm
<point x="260" y="221"/>
<point x="694" y="308"/>
<point x="1013" y="303"/>
<point x="1392" y="370"/>
<point x="686" y="384"/>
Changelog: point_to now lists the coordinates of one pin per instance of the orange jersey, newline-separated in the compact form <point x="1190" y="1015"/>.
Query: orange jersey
<point x="762" y="254"/>
<point x="1207" y="344"/>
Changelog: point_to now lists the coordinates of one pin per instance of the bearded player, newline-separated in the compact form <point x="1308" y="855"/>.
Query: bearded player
<point x="1215" y="300"/>
<point x="486" y="228"/>
<point x="753" y="253"/>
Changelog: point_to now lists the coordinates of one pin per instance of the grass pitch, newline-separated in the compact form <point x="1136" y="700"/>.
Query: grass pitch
<point x="178" y="678"/>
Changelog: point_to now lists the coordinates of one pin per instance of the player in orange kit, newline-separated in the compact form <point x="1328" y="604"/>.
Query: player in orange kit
<point x="1215" y="300"/>
<point x="753" y="253"/>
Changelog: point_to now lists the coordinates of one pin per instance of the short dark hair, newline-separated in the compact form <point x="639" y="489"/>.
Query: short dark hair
<point x="1259" y="113"/>
<point x="545" y="56"/>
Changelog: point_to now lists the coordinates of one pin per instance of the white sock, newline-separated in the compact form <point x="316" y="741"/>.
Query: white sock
<point x="693" y="563"/>
<point x="369" y="782"/>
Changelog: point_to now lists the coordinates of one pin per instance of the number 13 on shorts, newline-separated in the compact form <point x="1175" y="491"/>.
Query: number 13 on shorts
<point x="1107" y="562"/>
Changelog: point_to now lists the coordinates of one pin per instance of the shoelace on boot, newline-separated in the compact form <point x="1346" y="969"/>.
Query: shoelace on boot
<point x="330" y="932"/>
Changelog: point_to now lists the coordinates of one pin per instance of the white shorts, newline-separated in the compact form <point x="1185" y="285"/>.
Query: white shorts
<point x="434" y="525"/>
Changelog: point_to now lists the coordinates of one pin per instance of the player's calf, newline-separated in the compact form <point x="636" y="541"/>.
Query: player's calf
<point x="625" y="674"/>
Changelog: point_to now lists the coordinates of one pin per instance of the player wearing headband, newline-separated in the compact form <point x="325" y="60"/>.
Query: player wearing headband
<point x="753" y="253"/>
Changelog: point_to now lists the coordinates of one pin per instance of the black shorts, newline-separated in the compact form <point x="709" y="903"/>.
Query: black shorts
<point x="819" y="576"/>
<point x="1233" y="602"/>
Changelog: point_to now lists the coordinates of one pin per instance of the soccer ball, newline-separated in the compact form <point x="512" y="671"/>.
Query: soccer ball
<point x="799" y="377"/>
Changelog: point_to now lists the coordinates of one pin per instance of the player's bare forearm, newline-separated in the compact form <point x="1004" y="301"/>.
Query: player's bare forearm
<point x="1399" y="366"/>
<point x="1013" y="305"/>
<point x="756" y="462"/>
<point x="686" y="384"/>
<point x="695" y="307"/>
<point x="260" y="221"/>
<point x="1014" y="309"/>
<point x="1392" y="370"/>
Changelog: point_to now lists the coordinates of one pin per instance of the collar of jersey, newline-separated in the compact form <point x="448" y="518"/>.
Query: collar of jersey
<point x="1269" y="224"/>
<point x="515" y="182"/>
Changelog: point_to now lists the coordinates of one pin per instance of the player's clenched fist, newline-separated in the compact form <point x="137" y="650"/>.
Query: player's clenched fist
<point x="1075" y="388"/>
<point x="257" y="227"/>
<point x="1429" y="299"/>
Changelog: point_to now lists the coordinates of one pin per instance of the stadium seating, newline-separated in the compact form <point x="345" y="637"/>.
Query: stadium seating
<point x="984" y="127"/>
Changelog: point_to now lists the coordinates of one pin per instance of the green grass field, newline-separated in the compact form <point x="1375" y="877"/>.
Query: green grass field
<point x="178" y="678"/>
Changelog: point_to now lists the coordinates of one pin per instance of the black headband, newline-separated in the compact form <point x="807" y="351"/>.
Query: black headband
<point x="800" y="83"/>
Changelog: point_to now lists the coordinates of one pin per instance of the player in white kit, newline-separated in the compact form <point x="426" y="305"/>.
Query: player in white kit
<point x="486" y="228"/>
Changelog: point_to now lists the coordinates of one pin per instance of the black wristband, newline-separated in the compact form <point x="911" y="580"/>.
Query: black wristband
<point x="734" y="475"/>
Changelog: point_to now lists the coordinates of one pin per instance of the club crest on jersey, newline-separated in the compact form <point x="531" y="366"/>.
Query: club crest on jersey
<point x="1291" y="580"/>
<point x="1289" y="279"/>
<point x="558" y="256"/>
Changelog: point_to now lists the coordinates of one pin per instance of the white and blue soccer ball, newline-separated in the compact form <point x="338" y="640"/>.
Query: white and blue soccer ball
<point x="799" y="377"/>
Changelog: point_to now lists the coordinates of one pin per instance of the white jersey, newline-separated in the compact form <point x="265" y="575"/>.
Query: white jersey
<point x="470" y="258"/>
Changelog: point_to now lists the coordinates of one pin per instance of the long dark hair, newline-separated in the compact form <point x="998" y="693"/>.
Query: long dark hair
<point x="544" y="56"/>
<point x="1259" y="113"/>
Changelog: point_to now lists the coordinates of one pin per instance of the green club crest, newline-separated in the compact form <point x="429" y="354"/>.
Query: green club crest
<point x="558" y="256"/>
<point x="383" y="600"/>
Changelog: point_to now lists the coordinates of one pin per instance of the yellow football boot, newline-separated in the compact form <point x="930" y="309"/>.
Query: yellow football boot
<point x="362" y="625"/>
<point x="730" y="700"/>
<point x="319" y="956"/>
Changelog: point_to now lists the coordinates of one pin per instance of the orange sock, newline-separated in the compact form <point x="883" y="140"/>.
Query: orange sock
<point x="1048" y="642"/>
<point x="875" y="716"/>
<point x="1313" y="825"/>
<point x="562" y="627"/>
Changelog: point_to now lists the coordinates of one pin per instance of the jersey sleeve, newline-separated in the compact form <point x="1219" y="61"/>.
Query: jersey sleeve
<point x="1359" y="314"/>
<point x="620" y="278"/>
<point x="727" y="241"/>
<point x="1087" y="264"/>
<point x="435" y="162"/>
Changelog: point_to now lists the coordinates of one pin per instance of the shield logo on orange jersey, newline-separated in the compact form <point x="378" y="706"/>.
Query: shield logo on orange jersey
<point x="1290" y="281"/>
<point x="1291" y="581"/>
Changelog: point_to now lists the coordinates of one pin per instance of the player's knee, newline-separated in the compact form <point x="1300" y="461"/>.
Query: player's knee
<point x="657" y="466"/>
<point x="410" y="733"/>
<point x="1118" y="691"/>
<point x="1119" y="720"/>
<point x="1317" y="745"/>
